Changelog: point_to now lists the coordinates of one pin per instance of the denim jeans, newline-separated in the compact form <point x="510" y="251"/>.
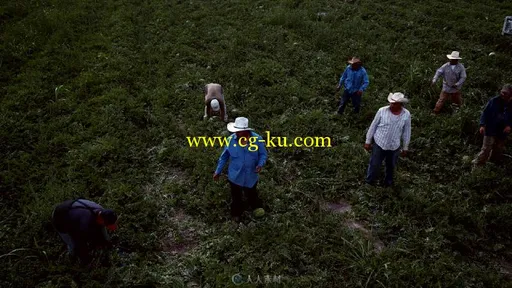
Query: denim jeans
<point x="69" y="241"/>
<point x="66" y="238"/>
<point x="378" y="155"/>
<point x="356" y="101"/>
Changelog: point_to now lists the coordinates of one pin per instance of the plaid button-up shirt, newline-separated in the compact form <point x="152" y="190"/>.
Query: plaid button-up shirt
<point x="387" y="129"/>
<point x="455" y="76"/>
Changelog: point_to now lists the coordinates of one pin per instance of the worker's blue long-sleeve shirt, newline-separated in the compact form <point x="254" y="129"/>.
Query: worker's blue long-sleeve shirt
<point x="496" y="116"/>
<point x="243" y="160"/>
<point x="354" y="80"/>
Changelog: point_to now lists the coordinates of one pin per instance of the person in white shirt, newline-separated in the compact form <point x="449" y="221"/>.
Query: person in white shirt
<point x="454" y="75"/>
<point x="389" y="125"/>
<point x="214" y="102"/>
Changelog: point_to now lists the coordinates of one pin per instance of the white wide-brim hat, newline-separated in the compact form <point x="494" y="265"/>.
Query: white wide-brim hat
<point x="240" y="124"/>
<point x="215" y="105"/>
<point x="354" y="60"/>
<point x="454" y="55"/>
<point x="397" y="98"/>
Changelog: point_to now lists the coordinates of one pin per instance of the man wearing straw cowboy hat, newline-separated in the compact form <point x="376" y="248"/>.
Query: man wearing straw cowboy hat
<point x="214" y="101"/>
<point x="247" y="154"/>
<point x="389" y="125"/>
<point x="454" y="75"/>
<point x="355" y="80"/>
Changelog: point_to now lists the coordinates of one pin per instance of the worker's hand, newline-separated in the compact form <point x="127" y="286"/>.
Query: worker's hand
<point x="507" y="130"/>
<point x="367" y="147"/>
<point x="482" y="130"/>
<point x="359" y="93"/>
<point x="338" y="88"/>
<point x="258" y="169"/>
<point x="403" y="153"/>
<point x="216" y="176"/>
<point x="454" y="86"/>
<point x="432" y="83"/>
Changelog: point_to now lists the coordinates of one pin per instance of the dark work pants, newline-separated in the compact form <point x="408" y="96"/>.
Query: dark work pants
<point x="356" y="102"/>
<point x="236" y="198"/>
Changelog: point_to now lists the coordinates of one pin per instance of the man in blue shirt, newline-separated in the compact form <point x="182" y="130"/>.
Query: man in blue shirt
<point x="495" y="124"/>
<point x="355" y="80"/>
<point x="247" y="154"/>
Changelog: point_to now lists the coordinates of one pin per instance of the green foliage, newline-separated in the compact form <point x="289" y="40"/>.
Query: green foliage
<point x="98" y="97"/>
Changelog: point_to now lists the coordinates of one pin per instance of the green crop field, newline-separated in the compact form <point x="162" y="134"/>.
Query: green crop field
<point x="97" y="98"/>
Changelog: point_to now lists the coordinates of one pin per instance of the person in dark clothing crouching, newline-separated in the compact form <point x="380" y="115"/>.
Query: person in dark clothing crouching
<point x="81" y="224"/>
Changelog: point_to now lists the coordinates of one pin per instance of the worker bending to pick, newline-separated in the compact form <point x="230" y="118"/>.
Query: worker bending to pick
<point x="214" y="102"/>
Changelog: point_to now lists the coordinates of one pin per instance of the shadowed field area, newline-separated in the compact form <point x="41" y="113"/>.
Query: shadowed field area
<point x="98" y="97"/>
